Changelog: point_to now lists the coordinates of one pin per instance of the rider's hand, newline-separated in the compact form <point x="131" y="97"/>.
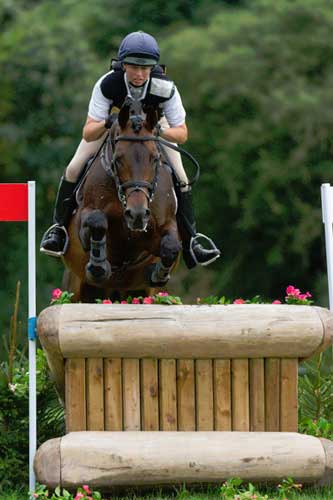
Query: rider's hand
<point x="110" y="120"/>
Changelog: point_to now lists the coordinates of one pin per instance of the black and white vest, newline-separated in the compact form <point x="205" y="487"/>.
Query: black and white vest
<point x="160" y="88"/>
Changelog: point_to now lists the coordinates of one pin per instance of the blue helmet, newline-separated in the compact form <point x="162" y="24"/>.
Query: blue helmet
<point x="139" y="48"/>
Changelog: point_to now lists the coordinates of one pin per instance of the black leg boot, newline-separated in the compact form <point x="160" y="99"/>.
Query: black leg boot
<point x="55" y="238"/>
<point x="193" y="251"/>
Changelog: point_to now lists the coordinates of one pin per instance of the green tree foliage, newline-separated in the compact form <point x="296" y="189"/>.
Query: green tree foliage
<point x="260" y="120"/>
<point x="255" y="78"/>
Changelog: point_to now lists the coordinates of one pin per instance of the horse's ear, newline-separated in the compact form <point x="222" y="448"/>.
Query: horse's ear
<point x="152" y="117"/>
<point x="123" y="116"/>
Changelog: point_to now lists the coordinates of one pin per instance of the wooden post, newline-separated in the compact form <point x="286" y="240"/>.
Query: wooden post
<point x="240" y="395"/>
<point x="186" y="395"/>
<point x="149" y="395"/>
<point x="113" y="397"/>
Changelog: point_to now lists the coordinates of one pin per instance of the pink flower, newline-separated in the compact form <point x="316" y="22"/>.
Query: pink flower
<point x="276" y="302"/>
<point x="35" y="495"/>
<point x="124" y="302"/>
<point x="148" y="300"/>
<point x="56" y="294"/>
<point x="78" y="496"/>
<point x="106" y="301"/>
<point x="239" y="301"/>
<point x="163" y="294"/>
<point x="86" y="489"/>
<point x="291" y="290"/>
<point x="136" y="301"/>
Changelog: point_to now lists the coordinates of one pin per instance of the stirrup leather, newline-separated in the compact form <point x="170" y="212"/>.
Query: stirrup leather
<point x="52" y="252"/>
<point x="210" y="242"/>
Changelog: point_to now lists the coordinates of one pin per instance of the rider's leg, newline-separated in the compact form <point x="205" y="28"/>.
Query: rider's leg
<point x="185" y="214"/>
<point x="55" y="237"/>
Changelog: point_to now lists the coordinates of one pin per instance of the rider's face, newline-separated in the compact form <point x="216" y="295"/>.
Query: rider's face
<point x="137" y="75"/>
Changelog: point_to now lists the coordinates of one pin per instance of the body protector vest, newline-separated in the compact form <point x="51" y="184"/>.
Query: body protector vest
<point x="160" y="88"/>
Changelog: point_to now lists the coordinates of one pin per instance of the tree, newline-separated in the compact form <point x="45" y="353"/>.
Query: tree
<point x="260" y="119"/>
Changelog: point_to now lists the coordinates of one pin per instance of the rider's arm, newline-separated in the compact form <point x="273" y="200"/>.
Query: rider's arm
<point x="177" y="134"/>
<point x="93" y="129"/>
<point x="175" y="115"/>
<point x="98" y="112"/>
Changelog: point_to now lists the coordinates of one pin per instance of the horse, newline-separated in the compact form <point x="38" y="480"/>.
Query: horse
<point x="123" y="235"/>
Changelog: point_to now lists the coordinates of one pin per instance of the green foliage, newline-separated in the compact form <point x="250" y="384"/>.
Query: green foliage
<point x="62" y="494"/>
<point x="259" y="119"/>
<point x="321" y="428"/>
<point x="256" y="81"/>
<point x="315" y="389"/>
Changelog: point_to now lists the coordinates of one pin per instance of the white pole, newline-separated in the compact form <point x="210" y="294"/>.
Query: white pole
<point x="327" y="212"/>
<point x="32" y="330"/>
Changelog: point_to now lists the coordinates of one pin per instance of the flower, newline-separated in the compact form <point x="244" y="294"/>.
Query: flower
<point x="35" y="495"/>
<point x="136" y="301"/>
<point x="291" y="290"/>
<point x="56" y="294"/>
<point x="79" y="496"/>
<point x="163" y="294"/>
<point x="239" y="301"/>
<point x="106" y="301"/>
<point x="124" y="302"/>
<point x="276" y="302"/>
<point x="12" y="387"/>
<point x="148" y="300"/>
<point x="86" y="489"/>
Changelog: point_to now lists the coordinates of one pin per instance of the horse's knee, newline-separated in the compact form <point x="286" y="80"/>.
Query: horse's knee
<point x="96" y="223"/>
<point x="170" y="248"/>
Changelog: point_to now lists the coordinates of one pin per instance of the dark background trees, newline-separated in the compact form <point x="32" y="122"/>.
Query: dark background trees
<point x="256" y="81"/>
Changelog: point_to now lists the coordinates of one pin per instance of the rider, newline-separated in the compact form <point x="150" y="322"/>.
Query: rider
<point x="139" y="76"/>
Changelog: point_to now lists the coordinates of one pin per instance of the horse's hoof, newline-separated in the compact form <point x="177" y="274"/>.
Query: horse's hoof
<point x="97" y="275"/>
<point x="149" y="273"/>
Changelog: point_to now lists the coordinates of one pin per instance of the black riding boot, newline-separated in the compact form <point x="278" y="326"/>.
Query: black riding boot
<point x="54" y="240"/>
<point x="189" y="235"/>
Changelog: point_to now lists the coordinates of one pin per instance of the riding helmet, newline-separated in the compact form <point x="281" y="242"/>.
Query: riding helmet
<point x="139" y="48"/>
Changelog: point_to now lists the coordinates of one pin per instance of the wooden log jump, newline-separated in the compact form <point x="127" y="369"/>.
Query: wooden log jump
<point x="181" y="369"/>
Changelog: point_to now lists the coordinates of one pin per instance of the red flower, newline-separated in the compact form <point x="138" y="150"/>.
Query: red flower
<point x="148" y="300"/>
<point x="276" y="302"/>
<point x="106" y="301"/>
<point x="56" y="294"/>
<point x="86" y="489"/>
<point x="136" y="301"/>
<point x="239" y="301"/>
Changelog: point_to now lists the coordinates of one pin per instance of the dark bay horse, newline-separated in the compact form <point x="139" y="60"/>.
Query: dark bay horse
<point x="124" y="236"/>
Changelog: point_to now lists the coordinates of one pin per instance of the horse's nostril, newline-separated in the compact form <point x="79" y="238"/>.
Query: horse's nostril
<point x="128" y="213"/>
<point x="147" y="212"/>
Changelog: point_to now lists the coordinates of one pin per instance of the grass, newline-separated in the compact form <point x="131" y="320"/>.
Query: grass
<point x="203" y="493"/>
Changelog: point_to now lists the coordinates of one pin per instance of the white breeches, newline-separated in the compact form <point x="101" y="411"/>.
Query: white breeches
<point x="87" y="149"/>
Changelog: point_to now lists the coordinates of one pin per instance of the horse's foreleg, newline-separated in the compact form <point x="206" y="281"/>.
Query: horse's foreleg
<point x="98" y="269"/>
<point x="169" y="250"/>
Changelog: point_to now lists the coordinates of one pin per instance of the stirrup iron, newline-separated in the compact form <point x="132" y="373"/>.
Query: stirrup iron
<point x="210" y="242"/>
<point x="52" y="253"/>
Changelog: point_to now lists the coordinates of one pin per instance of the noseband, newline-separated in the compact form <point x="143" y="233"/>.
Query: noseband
<point x="148" y="188"/>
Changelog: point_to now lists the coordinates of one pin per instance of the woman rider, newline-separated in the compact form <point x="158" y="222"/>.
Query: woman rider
<point x="138" y="76"/>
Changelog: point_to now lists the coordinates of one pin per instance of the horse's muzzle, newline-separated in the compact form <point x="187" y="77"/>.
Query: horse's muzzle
<point x="137" y="218"/>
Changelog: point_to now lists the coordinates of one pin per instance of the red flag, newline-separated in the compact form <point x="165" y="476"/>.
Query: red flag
<point x="13" y="202"/>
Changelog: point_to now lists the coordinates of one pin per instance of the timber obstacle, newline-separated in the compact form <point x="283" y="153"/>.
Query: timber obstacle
<point x="208" y="393"/>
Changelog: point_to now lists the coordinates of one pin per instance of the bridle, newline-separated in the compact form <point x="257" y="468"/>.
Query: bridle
<point x="126" y="189"/>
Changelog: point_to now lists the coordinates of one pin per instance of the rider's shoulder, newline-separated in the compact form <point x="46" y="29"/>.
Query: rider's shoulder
<point x="160" y="84"/>
<point x="108" y="82"/>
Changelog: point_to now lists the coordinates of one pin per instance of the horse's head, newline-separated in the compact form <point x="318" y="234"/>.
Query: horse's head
<point x="135" y="164"/>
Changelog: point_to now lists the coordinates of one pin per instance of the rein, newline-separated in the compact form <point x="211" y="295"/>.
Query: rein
<point x="170" y="145"/>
